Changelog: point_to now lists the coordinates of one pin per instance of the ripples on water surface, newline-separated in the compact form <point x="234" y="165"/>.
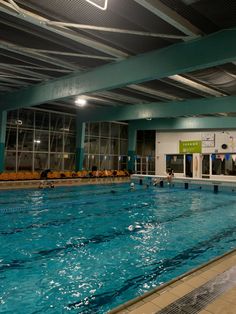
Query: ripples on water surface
<point x="88" y="249"/>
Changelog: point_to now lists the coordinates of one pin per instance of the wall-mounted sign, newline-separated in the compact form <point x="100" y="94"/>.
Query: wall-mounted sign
<point x="190" y="147"/>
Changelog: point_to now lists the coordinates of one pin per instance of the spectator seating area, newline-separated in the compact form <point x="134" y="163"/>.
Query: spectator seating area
<point x="26" y="175"/>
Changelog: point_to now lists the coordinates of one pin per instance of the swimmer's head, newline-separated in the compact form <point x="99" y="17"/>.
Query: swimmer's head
<point x="132" y="184"/>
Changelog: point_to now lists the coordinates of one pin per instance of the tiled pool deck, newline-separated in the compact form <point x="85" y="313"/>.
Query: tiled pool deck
<point x="205" y="290"/>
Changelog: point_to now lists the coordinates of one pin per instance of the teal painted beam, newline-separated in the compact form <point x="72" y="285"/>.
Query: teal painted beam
<point x="79" y="159"/>
<point x="208" y="51"/>
<point x="80" y="137"/>
<point x="161" y="110"/>
<point x="186" y="124"/>
<point x="3" y="124"/>
<point x="132" y="144"/>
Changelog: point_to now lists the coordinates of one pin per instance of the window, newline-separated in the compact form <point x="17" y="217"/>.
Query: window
<point x="176" y="162"/>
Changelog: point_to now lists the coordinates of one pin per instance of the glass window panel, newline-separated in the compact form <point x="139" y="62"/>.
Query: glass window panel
<point x="205" y="164"/>
<point x="57" y="122"/>
<point x="25" y="140"/>
<point x="69" y="161"/>
<point x="218" y="166"/>
<point x="176" y="162"/>
<point x="94" y="161"/>
<point x="25" y="161"/>
<point x="114" y="146"/>
<point x="87" y="128"/>
<point x="41" y="141"/>
<point x="94" y="145"/>
<point x="151" y="165"/>
<point x="11" y="138"/>
<point x="69" y="143"/>
<point x="105" y="129"/>
<point x="42" y="120"/>
<point x="105" y="164"/>
<point x="123" y="147"/>
<point x="123" y="131"/>
<point x="41" y="161"/>
<point x="104" y="148"/>
<point x="69" y="124"/>
<point x="94" y="128"/>
<point x="12" y="116"/>
<point x="230" y="165"/>
<point x="114" y="162"/>
<point x="86" y="144"/>
<point x="56" y="161"/>
<point x="56" y="142"/>
<point x="27" y="118"/>
<point x="123" y="163"/>
<point x="115" y="130"/>
<point x="10" y="161"/>
<point x="86" y="162"/>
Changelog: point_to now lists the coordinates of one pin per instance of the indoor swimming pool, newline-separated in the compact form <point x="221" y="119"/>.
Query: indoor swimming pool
<point x="87" y="249"/>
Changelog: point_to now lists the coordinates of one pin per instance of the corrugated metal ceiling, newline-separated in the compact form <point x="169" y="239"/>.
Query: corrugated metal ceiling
<point x="49" y="55"/>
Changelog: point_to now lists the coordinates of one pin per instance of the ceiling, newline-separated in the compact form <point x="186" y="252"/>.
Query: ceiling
<point x="43" y="40"/>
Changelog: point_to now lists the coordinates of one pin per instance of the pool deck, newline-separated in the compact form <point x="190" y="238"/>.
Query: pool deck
<point x="209" y="289"/>
<point x="29" y="184"/>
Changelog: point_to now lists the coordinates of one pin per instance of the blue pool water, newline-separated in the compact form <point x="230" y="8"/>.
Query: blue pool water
<point x="88" y="249"/>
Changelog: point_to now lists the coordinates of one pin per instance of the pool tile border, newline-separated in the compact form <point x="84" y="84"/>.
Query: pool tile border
<point x="190" y="281"/>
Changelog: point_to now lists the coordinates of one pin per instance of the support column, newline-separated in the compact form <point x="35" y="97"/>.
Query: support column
<point x="132" y="139"/>
<point x="80" y="136"/>
<point x="3" y="125"/>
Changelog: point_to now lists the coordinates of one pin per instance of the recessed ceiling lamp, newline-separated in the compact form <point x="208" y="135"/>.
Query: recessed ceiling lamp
<point x="97" y="3"/>
<point x="80" y="102"/>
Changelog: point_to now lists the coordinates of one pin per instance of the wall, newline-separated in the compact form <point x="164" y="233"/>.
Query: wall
<point x="168" y="143"/>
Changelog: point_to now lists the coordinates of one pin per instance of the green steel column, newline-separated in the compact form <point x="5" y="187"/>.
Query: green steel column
<point x="3" y="124"/>
<point x="80" y="136"/>
<point x="132" y="139"/>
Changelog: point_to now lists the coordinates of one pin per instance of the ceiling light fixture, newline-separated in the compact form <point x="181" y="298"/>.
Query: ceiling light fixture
<point x="93" y="2"/>
<point x="80" y="102"/>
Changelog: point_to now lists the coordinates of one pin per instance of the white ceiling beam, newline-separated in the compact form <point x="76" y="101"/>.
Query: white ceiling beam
<point x="195" y="85"/>
<point x="42" y="23"/>
<point x="153" y="92"/>
<point x="34" y="55"/>
<point x="72" y="54"/>
<point x="115" y="30"/>
<point x="170" y="16"/>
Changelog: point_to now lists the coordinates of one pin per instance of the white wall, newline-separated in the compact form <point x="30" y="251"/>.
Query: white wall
<point x="168" y="143"/>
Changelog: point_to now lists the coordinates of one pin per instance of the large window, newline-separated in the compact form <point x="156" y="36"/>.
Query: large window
<point x="106" y="145"/>
<point x="39" y="139"/>
<point x="223" y="164"/>
<point x="145" y="159"/>
<point x="175" y="162"/>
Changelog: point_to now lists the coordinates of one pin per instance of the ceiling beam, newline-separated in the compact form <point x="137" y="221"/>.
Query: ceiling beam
<point x="187" y="124"/>
<point x="161" y="110"/>
<point x="42" y="23"/>
<point x="170" y="16"/>
<point x="209" y="51"/>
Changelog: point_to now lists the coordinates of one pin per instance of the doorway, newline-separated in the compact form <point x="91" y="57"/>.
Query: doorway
<point x="189" y="165"/>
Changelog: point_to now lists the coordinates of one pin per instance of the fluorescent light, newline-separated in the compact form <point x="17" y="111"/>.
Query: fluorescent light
<point x="80" y="102"/>
<point x="104" y="7"/>
<point x="37" y="141"/>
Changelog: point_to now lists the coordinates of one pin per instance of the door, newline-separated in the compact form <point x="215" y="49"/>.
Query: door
<point x="189" y="165"/>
